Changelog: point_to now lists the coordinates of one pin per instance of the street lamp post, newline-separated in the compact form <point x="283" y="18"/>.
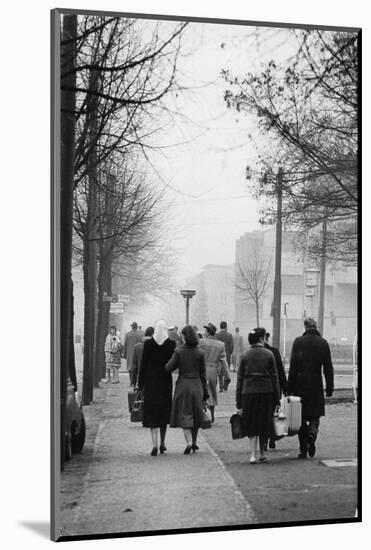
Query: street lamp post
<point x="187" y="295"/>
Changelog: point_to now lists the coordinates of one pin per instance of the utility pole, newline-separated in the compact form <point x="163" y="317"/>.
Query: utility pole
<point x="277" y="274"/>
<point x="322" y="283"/>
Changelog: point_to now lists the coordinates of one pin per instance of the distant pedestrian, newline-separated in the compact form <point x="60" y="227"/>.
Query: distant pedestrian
<point x="107" y="352"/>
<point x="310" y="353"/>
<point x="140" y="331"/>
<point x="138" y="351"/>
<point x="227" y="338"/>
<point x="237" y="348"/>
<point x="191" y="387"/>
<point x="131" y="338"/>
<point x="282" y="380"/>
<point x="156" y="384"/>
<point x="115" y="359"/>
<point x="257" y="393"/>
<point x="216" y="362"/>
<point x="173" y="335"/>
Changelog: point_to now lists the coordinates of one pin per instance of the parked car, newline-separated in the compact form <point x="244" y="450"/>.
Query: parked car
<point x="75" y="427"/>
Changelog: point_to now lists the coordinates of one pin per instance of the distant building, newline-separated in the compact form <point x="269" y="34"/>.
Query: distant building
<point x="340" y="305"/>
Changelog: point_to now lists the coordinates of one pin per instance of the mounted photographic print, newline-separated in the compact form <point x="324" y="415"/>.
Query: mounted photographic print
<point x="205" y="267"/>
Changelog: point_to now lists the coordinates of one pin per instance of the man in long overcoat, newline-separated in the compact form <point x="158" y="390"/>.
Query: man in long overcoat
<point x="131" y="338"/>
<point x="215" y="359"/>
<point x="227" y="338"/>
<point x="310" y="353"/>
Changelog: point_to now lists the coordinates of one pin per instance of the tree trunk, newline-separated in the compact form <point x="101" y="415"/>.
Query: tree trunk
<point x="104" y="287"/>
<point x="90" y="254"/>
<point x="257" y="313"/>
<point x="66" y="212"/>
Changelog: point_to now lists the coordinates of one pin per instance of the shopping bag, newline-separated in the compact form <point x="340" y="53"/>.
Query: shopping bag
<point x="136" y="414"/>
<point x="280" y="423"/>
<point x="236" y="425"/>
<point x="206" y="419"/>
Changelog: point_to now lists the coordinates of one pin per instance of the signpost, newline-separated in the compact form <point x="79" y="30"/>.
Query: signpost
<point x="117" y="307"/>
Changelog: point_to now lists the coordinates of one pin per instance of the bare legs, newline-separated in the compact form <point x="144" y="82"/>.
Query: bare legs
<point x="253" y="446"/>
<point x="162" y="439"/>
<point x="154" y="434"/>
<point x="194" y="439"/>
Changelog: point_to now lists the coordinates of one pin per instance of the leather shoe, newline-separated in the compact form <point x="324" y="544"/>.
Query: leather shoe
<point x="302" y="455"/>
<point x="226" y="384"/>
<point x="311" y="447"/>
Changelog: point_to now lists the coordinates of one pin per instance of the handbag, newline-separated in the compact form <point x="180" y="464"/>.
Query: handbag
<point x="280" y="424"/>
<point x="206" y="419"/>
<point x="136" y="414"/>
<point x="236" y="425"/>
<point x="132" y="396"/>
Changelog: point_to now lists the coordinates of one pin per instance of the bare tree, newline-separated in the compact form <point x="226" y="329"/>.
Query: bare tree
<point x="307" y="112"/>
<point x="252" y="275"/>
<point x="122" y="72"/>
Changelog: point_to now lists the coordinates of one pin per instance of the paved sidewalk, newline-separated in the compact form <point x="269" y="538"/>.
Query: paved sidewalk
<point x="127" y="490"/>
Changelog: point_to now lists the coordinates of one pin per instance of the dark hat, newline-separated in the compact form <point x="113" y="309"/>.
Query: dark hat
<point x="210" y="328"/>
<point x="310" y="323"/>
<point x="134" y="325"/>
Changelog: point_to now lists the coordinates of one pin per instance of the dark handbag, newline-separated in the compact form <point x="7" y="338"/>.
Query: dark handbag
<point x="136" y="414"/>
<point x="132" y="395"/>
<point x="206" y="419"/>
<point x="236" y="426"/>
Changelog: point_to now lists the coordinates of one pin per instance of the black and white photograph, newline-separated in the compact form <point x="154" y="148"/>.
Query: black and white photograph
<point x="206" y="224"/>
<point x="182" y="270"/>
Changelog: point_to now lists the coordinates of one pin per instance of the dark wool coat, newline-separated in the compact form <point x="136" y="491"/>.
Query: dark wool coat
<point x="156" y="383"/>
<point x="310" y="353"/>
<point x="257" y="374"/>
<point x="280" y="368"/>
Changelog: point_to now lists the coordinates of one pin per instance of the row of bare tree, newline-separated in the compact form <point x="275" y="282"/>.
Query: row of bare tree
<point x="114" y="75"/>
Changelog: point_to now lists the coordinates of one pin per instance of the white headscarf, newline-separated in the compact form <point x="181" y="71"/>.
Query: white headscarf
<point x="160" y="334"/>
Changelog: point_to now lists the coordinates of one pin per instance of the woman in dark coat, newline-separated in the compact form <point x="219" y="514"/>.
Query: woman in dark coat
<point x="191" y="387"/>
<point x="257" y="392"/>
<point x="156" y="384"/>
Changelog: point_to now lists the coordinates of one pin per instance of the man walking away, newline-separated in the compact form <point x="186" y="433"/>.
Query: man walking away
<point x="131" y="338"/>
<point x="227" y="339"/>
<point x="310" y="353"/>
<point x="215" y="360"/>
<point x="237" y="348"/>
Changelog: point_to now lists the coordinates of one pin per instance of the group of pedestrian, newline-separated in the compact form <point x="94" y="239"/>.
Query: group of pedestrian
<point x="203" y="359"/>
<point x="261" y="381"/>
<point x="199" y="362"/>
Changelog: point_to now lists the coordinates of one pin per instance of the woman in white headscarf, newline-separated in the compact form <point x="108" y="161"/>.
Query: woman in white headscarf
<point x="156" y="385"/>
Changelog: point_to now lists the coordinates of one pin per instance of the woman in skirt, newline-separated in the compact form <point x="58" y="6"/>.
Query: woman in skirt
<point x="156" y="385"/>
<point x="257" y="392"/>
<point x="190" y="390"/>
